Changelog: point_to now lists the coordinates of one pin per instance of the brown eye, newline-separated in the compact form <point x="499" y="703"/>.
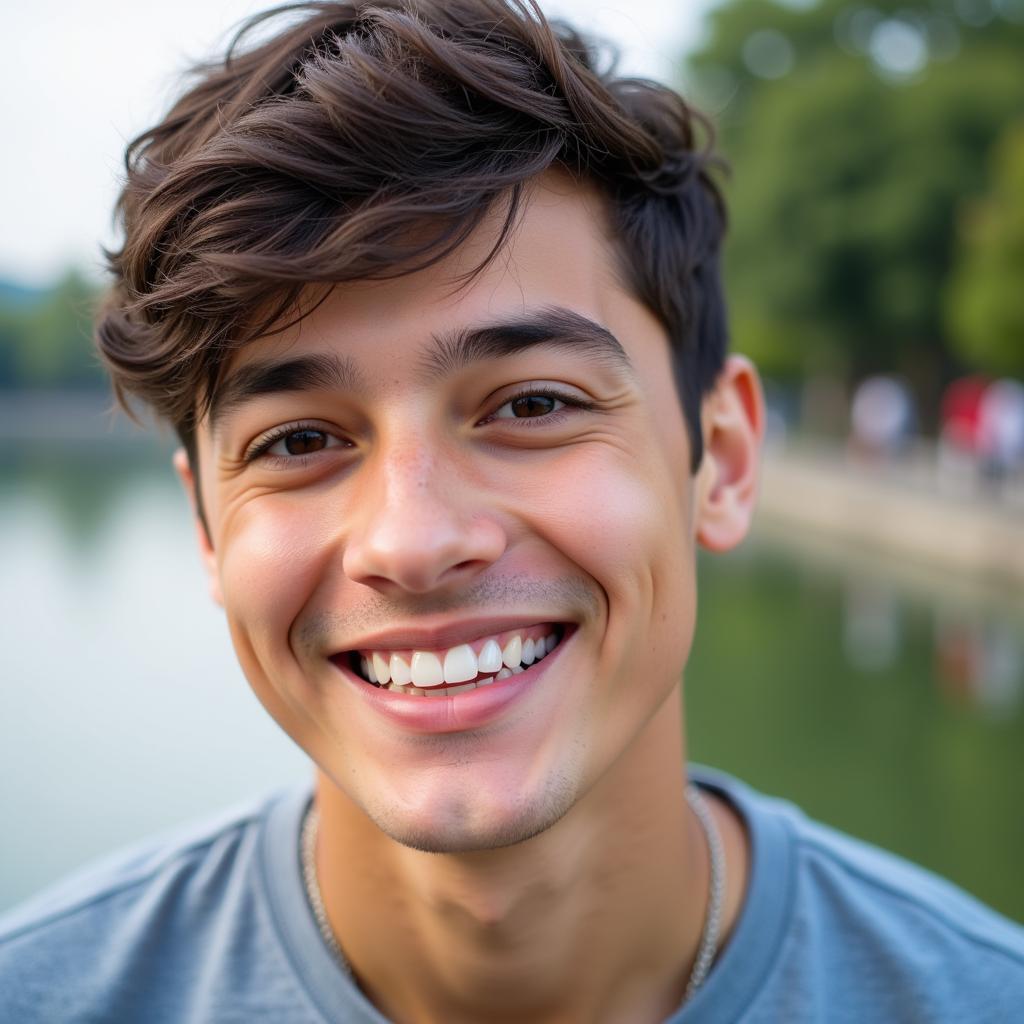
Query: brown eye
<point x="533" y="405"/>
<point x="302" y="442"/>
<point x="296" y="443"/>
<point x="529" y="407"/>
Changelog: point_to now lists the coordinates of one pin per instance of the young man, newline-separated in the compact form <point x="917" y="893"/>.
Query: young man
<point x="434" y="308"/>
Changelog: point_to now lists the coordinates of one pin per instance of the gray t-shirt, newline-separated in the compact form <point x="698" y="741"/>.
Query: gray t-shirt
<point x="212" y="925"/>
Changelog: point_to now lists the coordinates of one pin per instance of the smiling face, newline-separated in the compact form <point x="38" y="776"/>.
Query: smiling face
<point x="425" y="485"/>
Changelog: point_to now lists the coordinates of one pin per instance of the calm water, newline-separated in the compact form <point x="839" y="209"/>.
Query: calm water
<point x="884" y="700"/>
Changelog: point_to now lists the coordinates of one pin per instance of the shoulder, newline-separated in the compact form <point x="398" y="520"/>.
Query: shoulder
<point x="171" y="859"/>
<point x="136" y="929"/>
<point x="887" y="895"/>
<point x="929" y="945"/>
<point x="861" y="934"/>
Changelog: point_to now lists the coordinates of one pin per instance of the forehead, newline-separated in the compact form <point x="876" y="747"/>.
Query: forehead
<point x="560" y="257"/>
<point x="559" y="253"/>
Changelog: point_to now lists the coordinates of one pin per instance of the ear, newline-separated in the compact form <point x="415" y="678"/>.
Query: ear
<point x="732" y="417"/>
<point x="185" y="474"/>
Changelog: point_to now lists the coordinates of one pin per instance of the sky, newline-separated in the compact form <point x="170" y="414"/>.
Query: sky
<point x="77" y="81"/>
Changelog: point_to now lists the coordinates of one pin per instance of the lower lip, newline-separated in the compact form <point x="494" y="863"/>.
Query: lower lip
<point x="470" y="709"/>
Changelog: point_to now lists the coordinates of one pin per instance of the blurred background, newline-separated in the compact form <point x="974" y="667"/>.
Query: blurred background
<point x="863" y="654"/>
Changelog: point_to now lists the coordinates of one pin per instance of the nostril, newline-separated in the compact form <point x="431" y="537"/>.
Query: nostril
<point x="470" y="565"/>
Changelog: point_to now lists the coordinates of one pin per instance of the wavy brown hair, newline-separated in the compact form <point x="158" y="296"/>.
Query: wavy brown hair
<point x="367" y="140"/>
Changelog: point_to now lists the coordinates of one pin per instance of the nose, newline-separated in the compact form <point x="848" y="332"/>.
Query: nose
<point x="421" y="524"/>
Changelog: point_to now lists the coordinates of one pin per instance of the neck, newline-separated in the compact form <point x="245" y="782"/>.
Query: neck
<point x="598" y="918"/>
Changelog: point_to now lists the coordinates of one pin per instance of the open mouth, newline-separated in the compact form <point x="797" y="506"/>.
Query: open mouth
<point x="459" y="669"/>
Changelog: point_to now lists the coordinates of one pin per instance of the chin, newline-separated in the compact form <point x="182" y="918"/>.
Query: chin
<point x="475" y="820"/>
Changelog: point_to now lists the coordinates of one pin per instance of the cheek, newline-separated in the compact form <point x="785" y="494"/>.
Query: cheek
<point x="271" y="556"/>
<point x="622" y="518"/>
<point x="625" y="521"/>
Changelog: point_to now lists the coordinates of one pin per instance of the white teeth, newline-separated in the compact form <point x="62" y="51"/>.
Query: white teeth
<point x="459" y="664"/>
<point x="452" y="690"/>
<point x="400" y="672"/>
<point x="381" y="669"/>
<point x="433" y="693"/>
<point x="489" y="657"/>
<point x="485" y="681"/>
<point x="426" y="669"/>
<point x="512" y="652"/>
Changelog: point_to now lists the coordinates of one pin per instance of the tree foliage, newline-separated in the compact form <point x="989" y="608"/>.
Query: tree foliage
<point x="45" y="339"/>
<point x="985" y="302"/>
<point x="855" y="133"/>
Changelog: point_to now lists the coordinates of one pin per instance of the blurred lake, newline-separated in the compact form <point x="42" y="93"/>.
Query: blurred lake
<point x="886" y="701"/>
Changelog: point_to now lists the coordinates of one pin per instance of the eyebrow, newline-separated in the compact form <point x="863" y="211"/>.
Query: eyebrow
<point x="553" y="325"/>
<point x="319" y="371"/>
<point x="448" y="354"/>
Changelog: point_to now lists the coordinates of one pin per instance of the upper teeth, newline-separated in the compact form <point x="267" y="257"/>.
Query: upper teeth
<point x="460" y="664"/>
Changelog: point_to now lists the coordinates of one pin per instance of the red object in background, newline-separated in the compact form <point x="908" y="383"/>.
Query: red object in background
<point x="961" y="412"/>
<point x="957" y="659"/>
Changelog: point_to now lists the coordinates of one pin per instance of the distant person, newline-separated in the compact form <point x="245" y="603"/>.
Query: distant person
<point x="1001" y="428"/>
<point x="959" y="456"/>
<point x="881" y="417"/>
<point x="434" y="306"/>
<point x="961" y="413"/>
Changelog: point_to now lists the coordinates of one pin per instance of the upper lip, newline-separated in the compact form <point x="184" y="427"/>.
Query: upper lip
<point x="444" y="635"/>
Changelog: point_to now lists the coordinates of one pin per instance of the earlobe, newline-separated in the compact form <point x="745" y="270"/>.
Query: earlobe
<point x="733" y="424"/>
<point x="185" y="473"/>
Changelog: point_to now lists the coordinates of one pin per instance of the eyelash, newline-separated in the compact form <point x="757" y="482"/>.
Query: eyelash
<point x="264" y="444"/>
<point x="569" y="401"/>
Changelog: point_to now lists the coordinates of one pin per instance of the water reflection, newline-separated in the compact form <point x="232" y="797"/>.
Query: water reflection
<point x="980" y="663"/>
<point x="818" y="674"/>
<point x="872" y="626"/>
<point x="978" y="658"/>
<point x="79" y="490"/>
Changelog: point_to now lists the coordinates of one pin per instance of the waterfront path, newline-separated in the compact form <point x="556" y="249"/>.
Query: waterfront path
<point x="914" y="508"/>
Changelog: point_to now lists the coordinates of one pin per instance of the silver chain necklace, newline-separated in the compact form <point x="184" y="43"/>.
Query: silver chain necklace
<point x="716" y="892"/>
<point x="712" y="919"/>
<point x="310" y="826"/>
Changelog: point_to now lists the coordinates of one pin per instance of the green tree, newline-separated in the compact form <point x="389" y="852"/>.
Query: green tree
<point x="985" y="301"/>
<point x="854" y="132"/>
<point x="47" y="343"/>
